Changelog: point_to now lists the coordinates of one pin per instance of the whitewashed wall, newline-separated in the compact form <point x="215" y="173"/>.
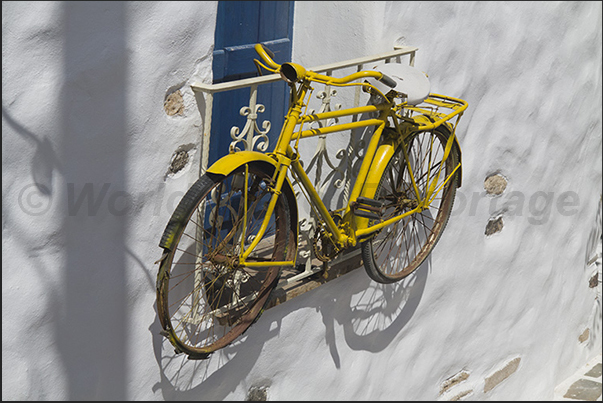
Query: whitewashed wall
<point x="86" y="193"/>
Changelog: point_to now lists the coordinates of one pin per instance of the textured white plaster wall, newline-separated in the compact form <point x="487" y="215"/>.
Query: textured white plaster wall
<point x="531" y="73"/>
<point x="83" y="86"/>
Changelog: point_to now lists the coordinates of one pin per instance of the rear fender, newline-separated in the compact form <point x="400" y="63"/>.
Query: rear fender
<point x="382" y="156"/>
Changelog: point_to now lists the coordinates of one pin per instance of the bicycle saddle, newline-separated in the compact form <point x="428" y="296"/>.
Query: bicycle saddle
<point x="411" y="83"/>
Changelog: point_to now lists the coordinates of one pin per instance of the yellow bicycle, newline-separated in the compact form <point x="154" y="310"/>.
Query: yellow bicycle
<point x="237" y="226"/>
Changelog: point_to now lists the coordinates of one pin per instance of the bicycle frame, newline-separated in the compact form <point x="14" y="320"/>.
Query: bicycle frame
<point x="352" y="228"/>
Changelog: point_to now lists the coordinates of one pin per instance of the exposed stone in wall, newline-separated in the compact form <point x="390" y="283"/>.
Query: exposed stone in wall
<point x="595" y="371"/>
<point x="174" y="104"/>
<point x="502" y="374"/>
<point x="593" y="282"/>
<point x="461" y="395"/>
<point x="494" y="225"/>
<point x="495" y="184"/>
<point x="179" y="161"/>
<point x="449" y="389"/>
<point x="584" y="389"/>
<point x="453" y="380"/>
<point x="257" y="394"/>
<point x="584" y="336"/>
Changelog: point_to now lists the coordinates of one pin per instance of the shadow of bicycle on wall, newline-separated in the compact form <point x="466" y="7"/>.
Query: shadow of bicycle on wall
<point x="371" y="314"/>
<point x="213" y="378"/>
<point x="379" y="312"/>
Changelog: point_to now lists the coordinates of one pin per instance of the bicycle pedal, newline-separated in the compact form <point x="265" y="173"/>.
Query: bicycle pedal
<point x="371" y="202"/>
<point x="367" y="214"/>
<point x="367" y="208"/>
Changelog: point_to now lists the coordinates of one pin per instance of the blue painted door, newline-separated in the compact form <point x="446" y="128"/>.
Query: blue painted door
<point x="239" y="26"/>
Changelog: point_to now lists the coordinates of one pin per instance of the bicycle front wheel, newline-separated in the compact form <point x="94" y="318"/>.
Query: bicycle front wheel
<point x="399" y="249"/>
<point x="205" y="299"/>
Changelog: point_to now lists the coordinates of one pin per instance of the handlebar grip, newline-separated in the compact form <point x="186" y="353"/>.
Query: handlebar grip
<point x="388" y="81"/>
<point x="268" y="51"/>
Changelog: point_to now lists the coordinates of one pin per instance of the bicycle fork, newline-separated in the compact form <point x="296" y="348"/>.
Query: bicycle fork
<point x="280" y="176"/>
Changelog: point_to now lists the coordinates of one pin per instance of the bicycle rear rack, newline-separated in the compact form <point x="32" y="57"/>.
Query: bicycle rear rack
<point x="431" y="108"/>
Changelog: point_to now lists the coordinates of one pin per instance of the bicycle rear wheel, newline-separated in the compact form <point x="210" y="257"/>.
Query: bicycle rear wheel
<point x="205" y="299"/>
<point x="399" y="249"/>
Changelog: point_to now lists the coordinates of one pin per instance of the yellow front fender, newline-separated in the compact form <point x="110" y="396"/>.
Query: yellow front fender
<point x="230" y="162"/>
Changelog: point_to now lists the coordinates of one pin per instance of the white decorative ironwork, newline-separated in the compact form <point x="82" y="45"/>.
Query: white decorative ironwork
<point x="321" y="154"/>
<point x="248" y="136"/>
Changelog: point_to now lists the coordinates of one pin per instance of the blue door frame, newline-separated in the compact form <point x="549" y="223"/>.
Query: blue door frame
<point x="239" y="26"/>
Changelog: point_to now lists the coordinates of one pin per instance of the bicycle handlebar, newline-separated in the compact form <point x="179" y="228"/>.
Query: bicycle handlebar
<point x="293" y="72"/>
